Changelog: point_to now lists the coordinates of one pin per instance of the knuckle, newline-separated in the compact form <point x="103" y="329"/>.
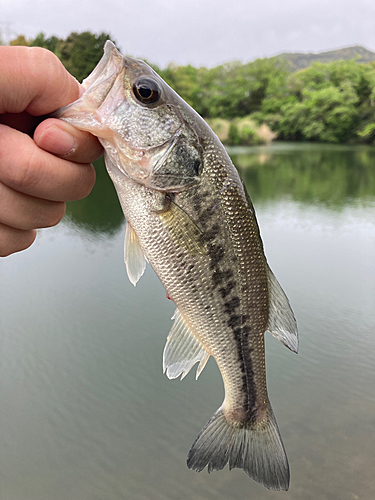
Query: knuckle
<point x="28" y="240"/>
<point x="56" y="214"/>
<point x="90" y="180"/>
<point x="38" y="52"/>
<point x="49" y="214"/>
<point x="25" y="176"/>
<point x="40" y="55"/>
<point x="84" y="182"/>
<point x="5" y="250"/>
<point x="15" y="241"/>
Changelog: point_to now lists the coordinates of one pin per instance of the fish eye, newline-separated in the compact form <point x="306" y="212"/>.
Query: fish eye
<point x="146" y="90"/>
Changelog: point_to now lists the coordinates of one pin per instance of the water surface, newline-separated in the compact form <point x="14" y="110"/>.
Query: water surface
<point x="85" y="410"/>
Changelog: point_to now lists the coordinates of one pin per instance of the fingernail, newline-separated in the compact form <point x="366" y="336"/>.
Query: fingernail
<point x="55" y="140"/>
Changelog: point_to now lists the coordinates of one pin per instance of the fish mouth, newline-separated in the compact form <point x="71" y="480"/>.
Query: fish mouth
<point x="84" y="113"/>
<point x="108" y="67"/>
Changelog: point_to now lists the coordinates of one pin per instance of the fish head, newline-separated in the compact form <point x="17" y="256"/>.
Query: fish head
<point x="145" y="127"/>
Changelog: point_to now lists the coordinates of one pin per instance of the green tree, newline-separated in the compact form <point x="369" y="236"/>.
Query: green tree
<point x="20" y="40"/>
<point x="237" y="90"/>
<point x="49" y="43"/>
<point x="325" y="102"/>
<point x="81" y="52"/>
<point x="191" y="83"/>
<point x="328" y="114"/>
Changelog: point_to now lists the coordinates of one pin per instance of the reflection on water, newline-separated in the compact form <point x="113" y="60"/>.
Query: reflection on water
<point x="85" y="411"/>
<point x="309" y="173"/>
<point x="99" y="213"/>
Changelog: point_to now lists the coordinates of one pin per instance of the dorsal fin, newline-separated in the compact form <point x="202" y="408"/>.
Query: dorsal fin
<point x="182" y="350"/>
<point x="281" y="321"/>
<point x="134" y="258"/>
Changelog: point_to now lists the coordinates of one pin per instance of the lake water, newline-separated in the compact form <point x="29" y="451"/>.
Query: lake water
<point x="85" y="410"/>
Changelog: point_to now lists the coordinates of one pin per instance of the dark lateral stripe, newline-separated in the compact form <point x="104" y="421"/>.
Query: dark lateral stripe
<point x="224" y="284"/>
<point x="241" y="336"/>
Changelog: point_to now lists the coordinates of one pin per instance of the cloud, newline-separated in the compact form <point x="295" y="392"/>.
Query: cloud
<point x="202" y="32"/>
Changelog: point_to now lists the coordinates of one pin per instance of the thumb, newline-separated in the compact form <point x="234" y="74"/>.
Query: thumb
<point x="64" y="140"/>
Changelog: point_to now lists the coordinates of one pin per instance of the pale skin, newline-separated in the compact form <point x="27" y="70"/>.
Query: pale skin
<point x="43" y="163"/>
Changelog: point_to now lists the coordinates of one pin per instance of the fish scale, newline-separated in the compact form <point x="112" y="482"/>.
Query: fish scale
<point x="189" y="215"/>
<point x="244" y="254"/>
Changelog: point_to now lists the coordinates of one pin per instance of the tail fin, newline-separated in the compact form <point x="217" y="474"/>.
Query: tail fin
<point x="255" y="448"/>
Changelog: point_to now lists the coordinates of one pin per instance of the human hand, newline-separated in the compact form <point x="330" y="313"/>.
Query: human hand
<point x="37" y="176"/>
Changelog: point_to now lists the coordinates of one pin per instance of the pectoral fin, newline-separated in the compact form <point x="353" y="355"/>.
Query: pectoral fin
<point x="134" y="258"/>
<point x="182" y="350"/>
<point x="183" y="229"/>
<point x="281" y="321"/>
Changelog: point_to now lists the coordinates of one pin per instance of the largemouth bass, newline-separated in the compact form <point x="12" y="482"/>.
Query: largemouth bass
<point x="188" y="213"/>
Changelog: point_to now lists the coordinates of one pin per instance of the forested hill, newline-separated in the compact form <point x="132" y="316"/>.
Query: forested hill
<point x="300" y="60"/>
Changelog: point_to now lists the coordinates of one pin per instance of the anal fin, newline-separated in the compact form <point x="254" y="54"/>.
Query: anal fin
<point x="182" y="350"/>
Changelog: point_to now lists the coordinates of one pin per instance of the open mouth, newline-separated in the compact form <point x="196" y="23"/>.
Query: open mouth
<point x="84" y="113"/>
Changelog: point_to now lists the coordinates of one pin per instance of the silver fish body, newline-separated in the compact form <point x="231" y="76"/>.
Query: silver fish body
<point x="188" y="214"/>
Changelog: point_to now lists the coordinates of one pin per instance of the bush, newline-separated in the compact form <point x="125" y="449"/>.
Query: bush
<point x="241" y="131"/>
<point x="234" y="138"/>
<point x="220" y="127"/>
<point x="367" y="134"/>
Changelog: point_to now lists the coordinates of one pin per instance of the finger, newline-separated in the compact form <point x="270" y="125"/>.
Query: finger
<point x="33" y="79"/>
<point x="38" y="173"/>
<point x="60" y="138"/>
<point x="14" y="240"/>
<point x="22" y="211"/>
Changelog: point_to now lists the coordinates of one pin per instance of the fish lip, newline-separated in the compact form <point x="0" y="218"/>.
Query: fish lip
<point x="111" y="54"/>
<point x="105" y="73"/>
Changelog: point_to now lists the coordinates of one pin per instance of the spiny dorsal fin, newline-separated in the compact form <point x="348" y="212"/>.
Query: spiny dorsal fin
<point x="183" y="229"/>
<point x="134" y="258"/>
<point x="182" y="350"/>
<point x="281" y="321"/>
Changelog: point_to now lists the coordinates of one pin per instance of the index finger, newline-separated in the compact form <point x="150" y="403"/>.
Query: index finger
<point x="34" y="80"/>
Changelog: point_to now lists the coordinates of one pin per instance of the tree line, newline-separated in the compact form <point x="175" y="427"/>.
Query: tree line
<point x="329" y="102"/>
<point x="79" y="52"/>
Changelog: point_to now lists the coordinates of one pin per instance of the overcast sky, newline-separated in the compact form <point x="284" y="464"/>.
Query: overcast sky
<point x="200" y="32"/>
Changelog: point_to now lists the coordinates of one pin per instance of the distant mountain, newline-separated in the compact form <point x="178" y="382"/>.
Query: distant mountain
<point x="300" y="60"/>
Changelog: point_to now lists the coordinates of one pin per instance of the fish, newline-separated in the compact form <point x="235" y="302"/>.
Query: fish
<point x="190" y="216"/>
